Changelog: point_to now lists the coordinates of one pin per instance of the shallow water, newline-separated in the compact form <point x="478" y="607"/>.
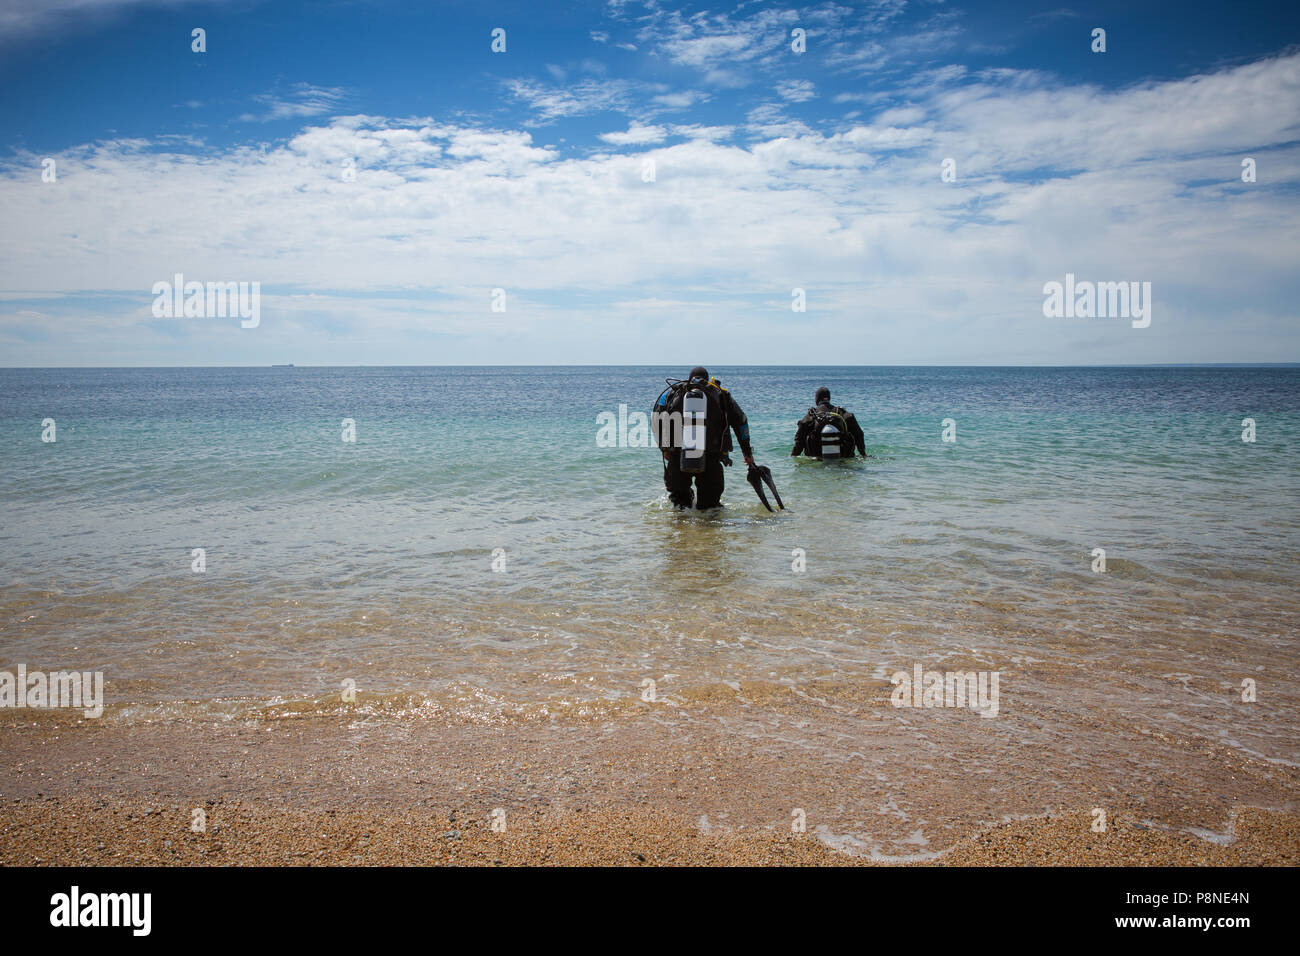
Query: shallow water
<point x="373" y="561"/>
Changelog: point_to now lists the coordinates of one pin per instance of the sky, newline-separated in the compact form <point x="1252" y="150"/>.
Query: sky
<point x="636" y="182"/>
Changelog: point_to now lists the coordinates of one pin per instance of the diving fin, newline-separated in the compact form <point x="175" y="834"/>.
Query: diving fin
<point x="758" y="476"/>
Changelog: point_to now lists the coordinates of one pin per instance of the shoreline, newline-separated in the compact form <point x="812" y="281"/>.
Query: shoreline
<point x="706" y="785"/>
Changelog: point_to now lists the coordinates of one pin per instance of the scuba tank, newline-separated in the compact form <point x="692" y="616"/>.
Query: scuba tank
<point x="695" y="409"/>
<point x="831" y="438"/>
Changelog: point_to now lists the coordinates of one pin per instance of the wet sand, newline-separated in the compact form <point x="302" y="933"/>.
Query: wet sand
<point x="660" y="788"/>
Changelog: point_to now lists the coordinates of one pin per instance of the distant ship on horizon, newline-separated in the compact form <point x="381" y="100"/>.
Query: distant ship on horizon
<point x="290" y="365"/>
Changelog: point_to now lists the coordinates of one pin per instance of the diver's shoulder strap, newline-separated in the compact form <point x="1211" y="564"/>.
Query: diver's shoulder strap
<point x="722" y="410"/>
<point x="832" y="412"/>
<point x="670" y="394"/>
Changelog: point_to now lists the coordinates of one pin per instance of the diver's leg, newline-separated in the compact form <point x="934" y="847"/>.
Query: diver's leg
<point x="709" y="485"/>
<point x="677" y="482"/>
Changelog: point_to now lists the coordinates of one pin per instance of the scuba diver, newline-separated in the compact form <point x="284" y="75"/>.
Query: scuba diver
<point x="692" y="422"/>
<point x="828" y="431"/>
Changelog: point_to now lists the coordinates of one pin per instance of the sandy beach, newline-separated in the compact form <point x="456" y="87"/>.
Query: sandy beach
<point x="647" y="789"/>
<point x="1045" y="645"/>
<point x="87" y="832"/>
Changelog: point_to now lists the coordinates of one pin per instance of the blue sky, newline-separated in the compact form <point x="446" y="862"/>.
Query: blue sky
<point x="526" y="171"/>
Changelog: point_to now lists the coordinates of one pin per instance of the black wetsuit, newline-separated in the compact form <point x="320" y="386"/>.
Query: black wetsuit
<point x="710" y="482"/>
<point x="808" y="422"/>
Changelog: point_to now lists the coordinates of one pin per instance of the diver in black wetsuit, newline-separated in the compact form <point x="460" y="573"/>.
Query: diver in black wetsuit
<point x="723" y="416"/>
<point x="812" y="439"/>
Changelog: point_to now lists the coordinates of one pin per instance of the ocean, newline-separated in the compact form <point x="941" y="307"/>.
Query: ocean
<point x="476" y="559"/>
<point x="475" y="556"/>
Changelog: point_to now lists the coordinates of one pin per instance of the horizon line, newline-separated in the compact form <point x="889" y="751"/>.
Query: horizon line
<point x="56" y="368"/>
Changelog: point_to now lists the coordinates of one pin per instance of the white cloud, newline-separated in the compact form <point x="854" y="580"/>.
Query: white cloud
<point x="636" y="135"/>
<point x="796" y="91"/>
<point x="680" y="100"/>
<point x="711" y="133"/>
<point x="733" y="50"/>
<point x="1135" y="184"/>
<point x="302" y="99"/>
<point x="575" y="99"/>
<point x="770" y="119"/>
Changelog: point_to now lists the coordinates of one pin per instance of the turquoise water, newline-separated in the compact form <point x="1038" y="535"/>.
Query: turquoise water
<point x="373" y="560"/>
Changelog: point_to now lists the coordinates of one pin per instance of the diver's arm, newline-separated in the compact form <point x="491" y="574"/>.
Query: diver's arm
<point x="740" y="425"/>
<point x="858" y="438"/>
<point x="801" y="436"/>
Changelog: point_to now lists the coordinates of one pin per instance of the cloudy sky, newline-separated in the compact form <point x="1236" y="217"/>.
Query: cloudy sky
<point x="381" y="171"/>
